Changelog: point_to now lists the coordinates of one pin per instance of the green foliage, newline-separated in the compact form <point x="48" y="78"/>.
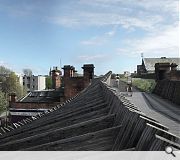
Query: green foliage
<point x="48" y="82"/>
<point x="146" y="85"/>
<point x="121" y="76"/>
<point x="24" y="90"/>
<point x="10" y="83"/>
<point x="3" y="102"/>
<point x="124" y="79"/>
<point x="4" y="70"/>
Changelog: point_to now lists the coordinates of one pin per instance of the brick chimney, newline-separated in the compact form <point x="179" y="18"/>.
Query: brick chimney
<point x="173" y="66"/>
<point x="88" y="73"/>
<point x="161" y="70"/>
<point x="56" y="78"/>
<point x="67" y="71"/>
<point x="72" y="71"/>
<point x="174" y="74"/>
<point x="12" y="97"/>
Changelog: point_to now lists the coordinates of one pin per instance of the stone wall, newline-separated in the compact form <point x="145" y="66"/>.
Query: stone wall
<point x="169" y="90"/>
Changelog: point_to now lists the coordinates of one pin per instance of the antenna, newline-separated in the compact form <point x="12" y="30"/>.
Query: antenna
<point x="142" y="55"/>
<point x="50" y="71"/>
<point x="60" y="63"/>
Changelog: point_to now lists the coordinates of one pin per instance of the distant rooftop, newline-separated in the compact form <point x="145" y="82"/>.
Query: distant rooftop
<point x="43" y="96"/>
<point x="150" y="62"/>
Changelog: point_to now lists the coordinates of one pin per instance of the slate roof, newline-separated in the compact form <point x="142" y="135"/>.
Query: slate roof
<point x="150" y="62"/>
<point x="43" y="96"/>
<point x="98" y="119"/>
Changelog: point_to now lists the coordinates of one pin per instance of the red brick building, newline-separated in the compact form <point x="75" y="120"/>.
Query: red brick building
<point x="74" y="84"/>
<point x="63" y="88"/>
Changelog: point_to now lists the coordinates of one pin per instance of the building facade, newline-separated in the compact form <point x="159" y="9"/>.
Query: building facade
<point x="33" y="82"/>
<point x="74" y="84"/>
<point x="148" y="64"/>
<point x="39" y="100"/>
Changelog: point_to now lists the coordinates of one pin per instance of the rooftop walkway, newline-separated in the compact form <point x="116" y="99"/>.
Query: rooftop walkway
<point x="154" y="106"/>
<point x="99" y="118"/>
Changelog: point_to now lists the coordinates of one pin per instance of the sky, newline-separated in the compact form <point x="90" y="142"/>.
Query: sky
<point x="111" y="34"/>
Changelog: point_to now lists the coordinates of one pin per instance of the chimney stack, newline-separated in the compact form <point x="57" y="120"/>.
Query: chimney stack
<point x="56" y="78"/>
<point x="88" y="73"/>
<point x="12" y="97"/>
<point x="173" y="66"/>
<point x="68" y="71"/>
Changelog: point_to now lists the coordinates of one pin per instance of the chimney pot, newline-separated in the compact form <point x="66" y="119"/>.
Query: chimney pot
<point x="12" y="97"/>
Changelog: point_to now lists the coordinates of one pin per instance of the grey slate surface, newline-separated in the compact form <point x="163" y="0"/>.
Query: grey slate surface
<point x="43" y="96"/>
<point x="163" y="110"/>
<point x="150" y="62"/>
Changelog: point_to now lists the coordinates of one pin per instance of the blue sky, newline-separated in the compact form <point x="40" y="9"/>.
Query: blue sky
<point x="111" y="34"/>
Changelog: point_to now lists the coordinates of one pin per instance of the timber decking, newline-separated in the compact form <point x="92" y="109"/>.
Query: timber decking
<point x="98" y="118"/>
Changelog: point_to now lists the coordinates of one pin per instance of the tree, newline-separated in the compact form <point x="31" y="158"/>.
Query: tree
<point x="13" y="85"/>
<point x="3" y="102"/>
<point x="10" y="83"/>
<point x="27" y="72"/>
<point x="48" y="82"/>
<point x="4" y="71"/>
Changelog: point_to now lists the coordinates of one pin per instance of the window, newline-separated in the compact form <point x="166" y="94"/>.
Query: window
<point x="28" y="85"/>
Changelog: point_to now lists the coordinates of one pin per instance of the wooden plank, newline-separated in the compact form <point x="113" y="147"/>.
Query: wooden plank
<point x="72" y="143"/>
<point x="43" y="121"/>
<point x="65" y="121"/>
<point x="125" y="133"/>
<point x="24" y="127"/>
<point x="57" y="134"/>
<point x="148" y="136"/>
<point x="160" y="143"/>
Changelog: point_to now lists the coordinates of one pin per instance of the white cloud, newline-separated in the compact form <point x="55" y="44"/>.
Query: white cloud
<point x="100" y="40"/>
<point x="140" y="13"/>
<point x="94" y="41"/>
<point x="93" y="58"/>
<point x="110" y="33"/>
<point x="144" y="14"/>
<point x="5" y="64"/>
<point x="19" y="69"/>
<point x="153" y="5"/>
<point x="2" y="63"/>
<point x="163" y="43"/>
<point x="79" y="19"/>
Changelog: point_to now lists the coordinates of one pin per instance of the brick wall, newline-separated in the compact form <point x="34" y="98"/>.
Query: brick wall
<point x="73" y="86"/>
